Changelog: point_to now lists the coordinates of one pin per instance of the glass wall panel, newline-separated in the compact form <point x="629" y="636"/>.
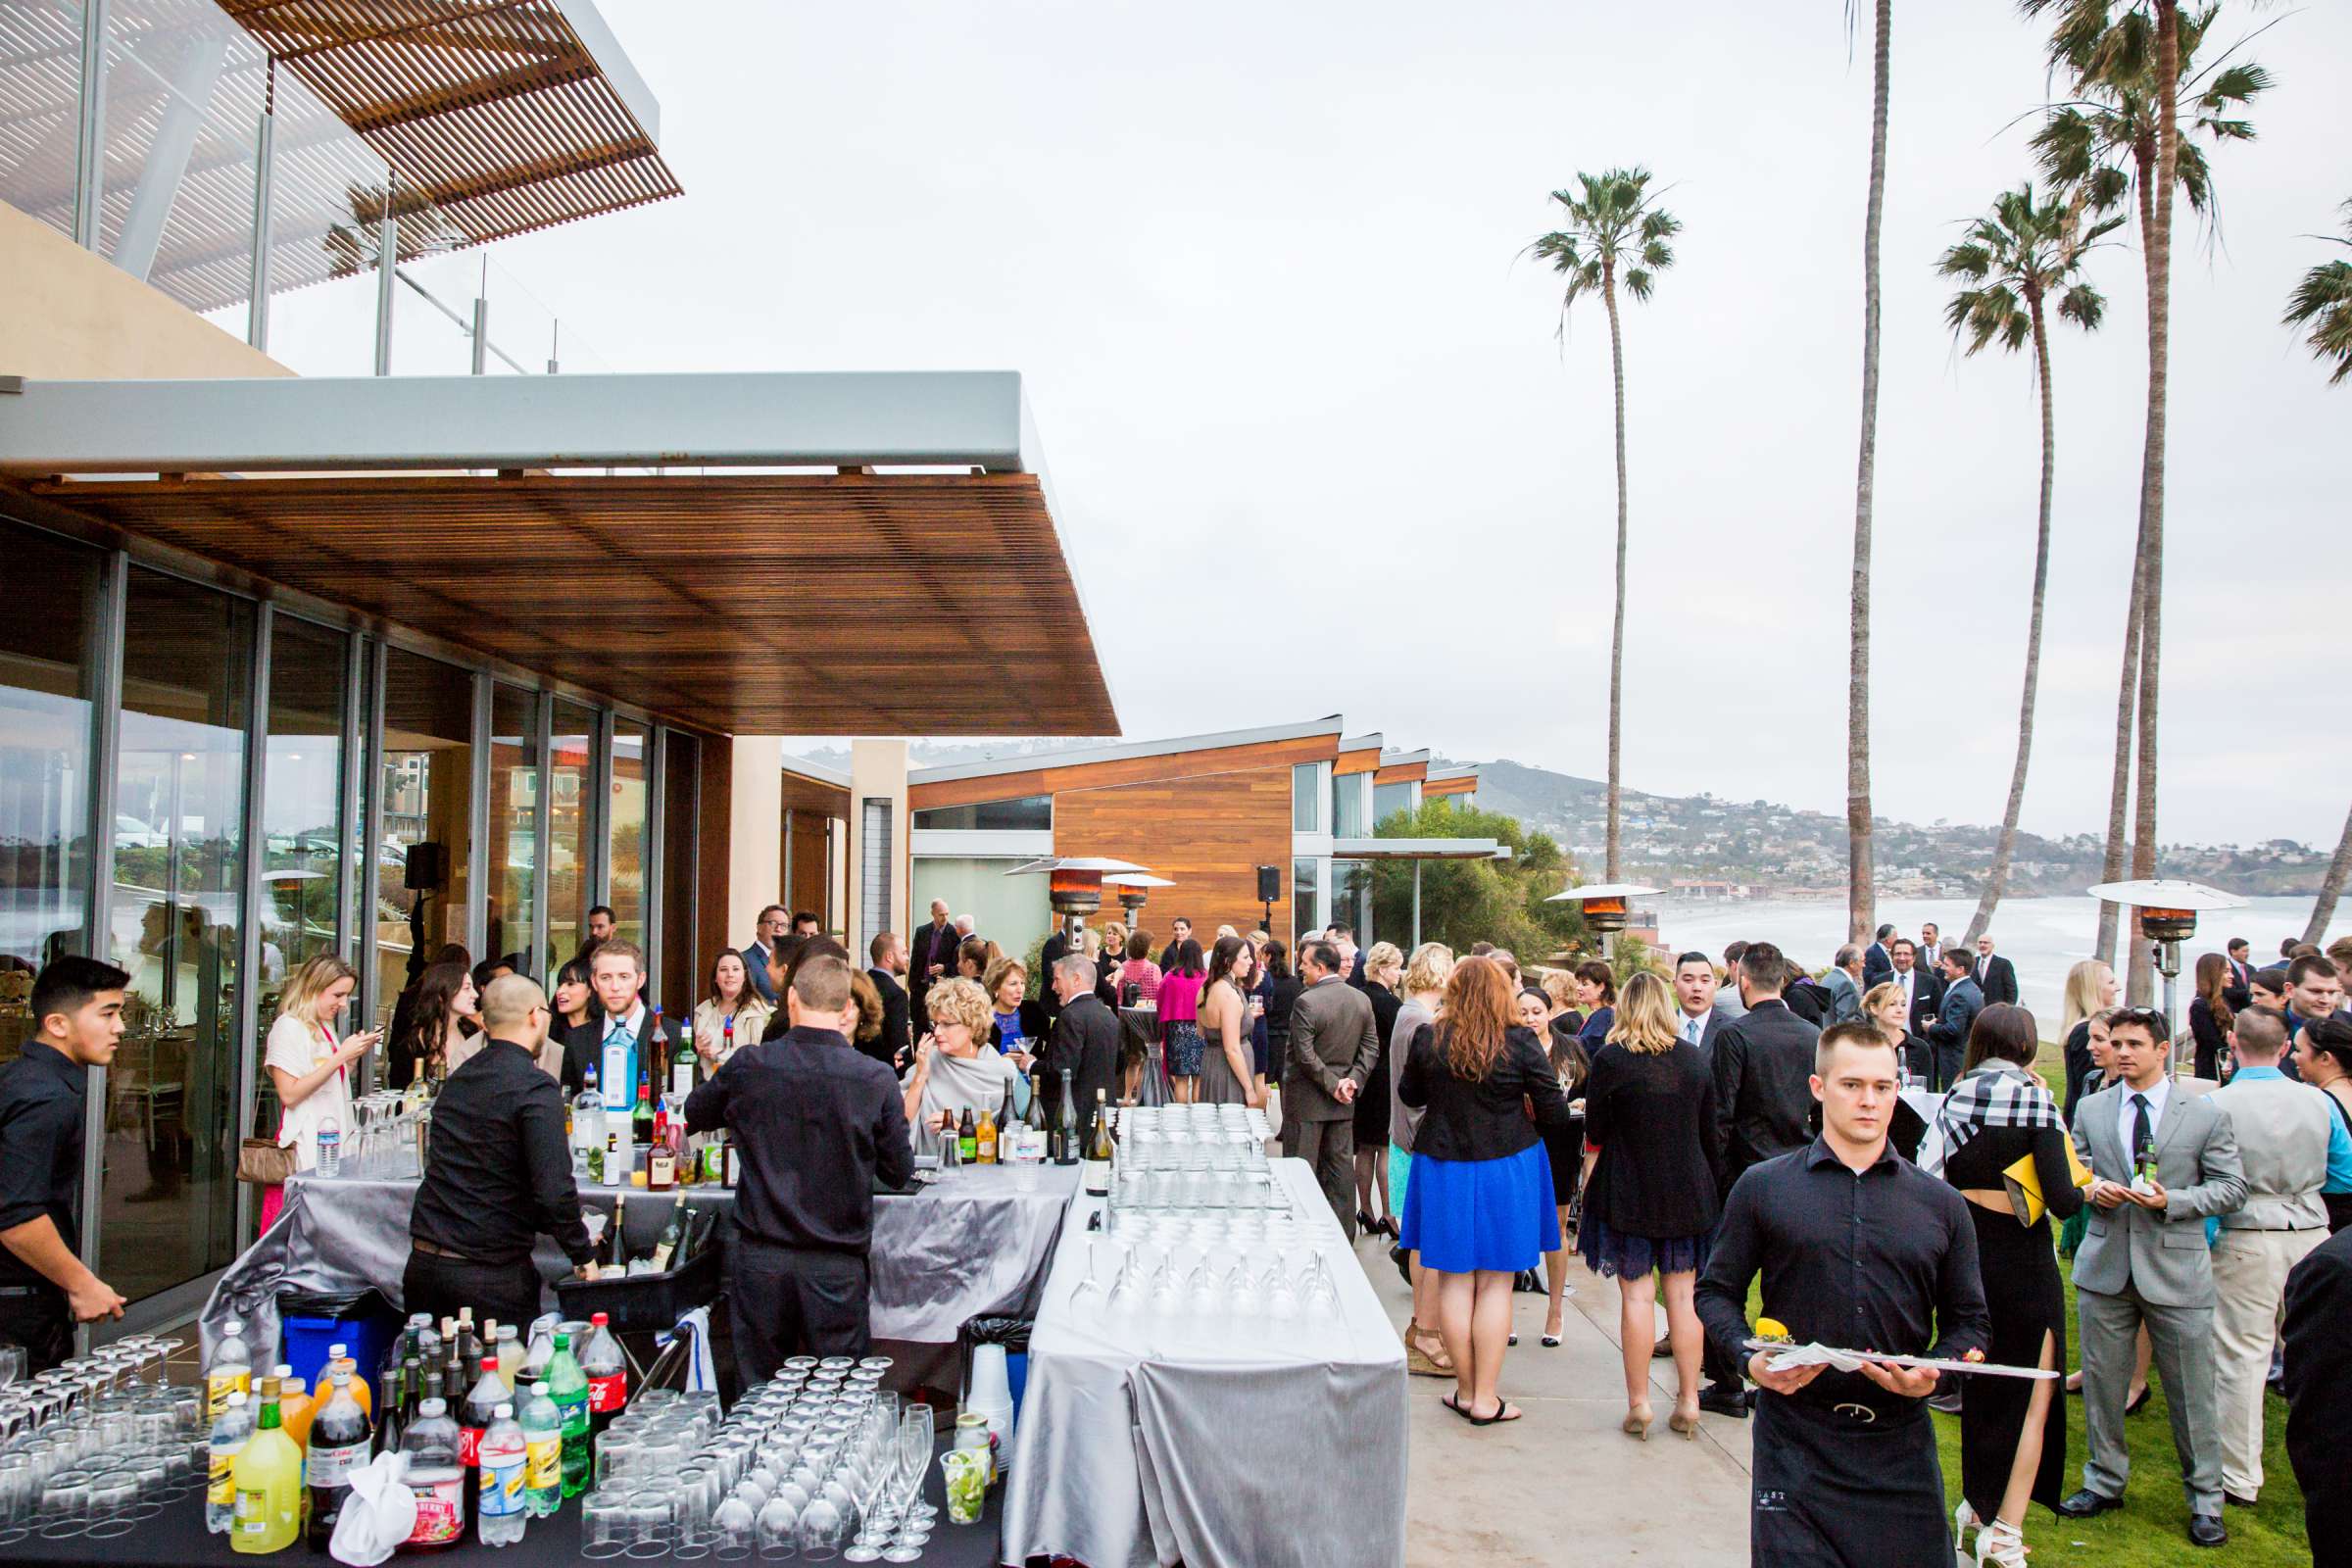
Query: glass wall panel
<point x="511" y="872"/>
<point x="1352" y="899"/>
<point x="426" y="778"/>
<point x="47" y="683"/>
<point x="1012" y="911"/>
<point x="1348" y="792"/>
<point x="625" y="806"/>
<point x="1031" y="812"/>
<point x="683" y="962"/>
<point x="1307" y="903"/>
<point x="168" y="1192"/>
<point x="40" y="69"/>
<point x="1390" y="799"/>
<point x="302" y="836"/>
<point x="1306" y="797"/>
<point x="570" y="825"/>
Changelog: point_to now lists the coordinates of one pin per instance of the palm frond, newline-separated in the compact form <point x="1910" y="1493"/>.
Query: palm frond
<point x="2323" y="301"/>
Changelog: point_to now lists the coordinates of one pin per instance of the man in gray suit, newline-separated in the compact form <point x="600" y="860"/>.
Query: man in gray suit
<point x="1844" y="983"/>
<point x="2144" y="1260"/>
<point x="1334" y="1041"/>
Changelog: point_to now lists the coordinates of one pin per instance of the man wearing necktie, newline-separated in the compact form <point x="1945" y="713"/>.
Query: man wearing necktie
<point x="625" y="1052"/>
<point x="2162" y="1163"/>
<point x="1930" y="946"/>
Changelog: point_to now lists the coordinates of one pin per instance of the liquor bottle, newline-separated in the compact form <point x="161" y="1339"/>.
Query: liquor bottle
<point x="967" y="1139"/>
<point x="616" y="1244"/>
<point x="339" y="1443"/>
<point x="588" y="1128"/>
<point x="641" y="1120"/>
<point x="231" y="1370"/>
<point x="607" y="1370"/>
<point x="568" y="1389"/>
<point x="1097" y="1151"/>
<point x="734" y="1167"/>
<point x="469" y="1342"/>
<point x="1065" y="1124"/>
<point x="266" y="1475"/>
<point x="437" y="1479"/>
<point x="662" y="1156"/>
<point x="502" y="1506"/>
<point x="542" y="1453"/>
<point x="232" y="1429"/>
<point x="395" y="1422"/>
<point x="1037" y="1121"/>
<point x="984" y="1139"/>
<point x="672" y="1234"/>
<point x="616" y="1160"/>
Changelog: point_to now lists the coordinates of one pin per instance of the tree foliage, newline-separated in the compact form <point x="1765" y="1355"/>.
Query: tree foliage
<point x="2323" y="302"/>
<point x="1476" y="901"/>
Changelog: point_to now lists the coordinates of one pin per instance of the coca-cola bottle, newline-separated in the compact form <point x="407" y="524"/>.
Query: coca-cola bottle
<point x="606" y="1368"/>
<point x="339" y="1445"/>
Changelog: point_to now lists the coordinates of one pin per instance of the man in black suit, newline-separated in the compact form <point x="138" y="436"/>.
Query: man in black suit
<point x="1995" y="975"/>
<point x="1086" y="1038"/>
<point x="1878" y="959"/>
<point x="1700" y="1022"/>
<point x="772" y="926"/>
<point x="1763" y="1107"/>
<point x="889" y="954"/>
<point x="930" y="955"/>
<point x="2319" y="1420"/>
<point x="2242" y="974"/>
<point x="1918" y="985"/>
<point x="1930" y="950"/>
<point x="1057" y="948"/>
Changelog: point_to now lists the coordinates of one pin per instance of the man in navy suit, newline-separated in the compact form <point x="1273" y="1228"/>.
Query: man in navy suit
<point x="1995" y="976"/>
<point x="1878" y="959"/>
<point x="772" y="923"/>
<point x="1957" y="1004"/>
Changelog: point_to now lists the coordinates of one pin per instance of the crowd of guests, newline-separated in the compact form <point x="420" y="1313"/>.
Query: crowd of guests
<point x="1879" y="1142"/>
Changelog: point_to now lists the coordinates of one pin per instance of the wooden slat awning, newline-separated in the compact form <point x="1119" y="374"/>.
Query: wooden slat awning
<point x="743" y="602"/>
<point x="493" y="110"/>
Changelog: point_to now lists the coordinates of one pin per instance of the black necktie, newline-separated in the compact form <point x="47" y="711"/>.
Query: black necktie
<point x="2143" y="1135"/>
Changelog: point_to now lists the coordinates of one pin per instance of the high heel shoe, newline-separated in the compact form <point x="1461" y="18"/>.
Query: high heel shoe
<point x="1637" y="1422"/>
<point x="2000" y="1544"/>
<point x="1366" y="1223"/>
<point x="1685" y="1422"/>
<point x="2138" y="1402"/>
<point x="1964" y="1519"/>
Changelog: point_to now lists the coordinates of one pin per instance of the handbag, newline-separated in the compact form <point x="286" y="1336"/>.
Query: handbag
<point x="264" y="1164"/>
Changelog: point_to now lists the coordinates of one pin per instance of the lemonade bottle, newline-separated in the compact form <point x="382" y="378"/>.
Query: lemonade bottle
<point x="267" y="1476"/>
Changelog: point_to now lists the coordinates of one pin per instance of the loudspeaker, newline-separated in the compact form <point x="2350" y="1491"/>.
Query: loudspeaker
<point x="1269" y="884"/>
<point x="424" y="867"/>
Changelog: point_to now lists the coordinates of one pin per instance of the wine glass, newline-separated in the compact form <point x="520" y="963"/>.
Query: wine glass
<point x="825" y="1529"/>
<point x="778" y="1530"/>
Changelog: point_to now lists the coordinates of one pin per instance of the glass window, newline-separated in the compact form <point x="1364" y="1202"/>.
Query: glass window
<point x="571" y="829"/>
<point x="626" y="805"/>
<point x="1306" y="797"/>
<point x="512" y="874"/>
<point x="46" y="681"/>
<point x="167" y="1195"/>
<point x="1348" y="792"/>
<point x="1029" y="812"/>
<point x="1390" y="799"/>
<point x="302" y="836"/>
<point x="425" y="870"/>
<point x="1012" y="912"/>
<point x="683" y="961"/>
<point x="1352" y="899"/>
<point x="1307" y="903"/>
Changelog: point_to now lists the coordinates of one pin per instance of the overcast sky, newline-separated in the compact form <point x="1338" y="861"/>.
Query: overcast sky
<point x="1316" y="448"/>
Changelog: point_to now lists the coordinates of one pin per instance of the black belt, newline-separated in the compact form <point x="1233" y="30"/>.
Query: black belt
<point x="433" y="1250"/>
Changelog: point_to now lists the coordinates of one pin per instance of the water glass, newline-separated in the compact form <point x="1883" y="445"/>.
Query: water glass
<point x="605" y="1526"/>
<point x="696" y="1498"/>
<point x="65" y="1506"/>
<point x="649" y="1523"/>
<point x="113" y="1496"/>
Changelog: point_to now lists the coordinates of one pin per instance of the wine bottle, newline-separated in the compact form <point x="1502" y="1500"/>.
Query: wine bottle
<point x="1065" y="1124"/>
<point x="1098" y="1152"/>
<point x="671" y="1234"/>
<point x="616" y="1248"/>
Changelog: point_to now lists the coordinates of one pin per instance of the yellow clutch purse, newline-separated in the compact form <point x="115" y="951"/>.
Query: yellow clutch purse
<point x="2024" y="1185"/>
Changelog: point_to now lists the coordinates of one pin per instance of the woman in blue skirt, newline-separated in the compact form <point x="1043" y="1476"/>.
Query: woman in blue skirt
<point x="1480" y="1208"/>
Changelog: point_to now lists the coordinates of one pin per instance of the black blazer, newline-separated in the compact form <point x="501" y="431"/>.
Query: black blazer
<point x="1996" y="977"/>
<point x="1484" y="1118"/>
<point x="2206" y="1030"/>
<point x="1876" y="964"/>
<point x="1086" y="1041"/>
<point x="1057" y="948"/>
<point x="1763" y="1087"/>
<point x="920" y="958"/>
<point x="2319" y="1366"/>
<point x="1927" y="995"/>
<point x="1652" y="1118"/>
<point x="895" y="1043"/>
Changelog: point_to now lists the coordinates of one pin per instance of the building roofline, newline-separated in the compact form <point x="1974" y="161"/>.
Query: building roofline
<point x="802" y="767"/>
<point x="1468" y="772"/>
<point x="1082" y="756"/>
<point x="1403" y="758"/>
<point x="1357" y="742"/>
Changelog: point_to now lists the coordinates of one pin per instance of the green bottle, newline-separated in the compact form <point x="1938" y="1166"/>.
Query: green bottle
<point x="568" y="1388"/>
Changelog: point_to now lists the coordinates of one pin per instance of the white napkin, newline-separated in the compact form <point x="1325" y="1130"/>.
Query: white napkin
<point x="379" y="1514"/>
<point x="701" y="1368"/>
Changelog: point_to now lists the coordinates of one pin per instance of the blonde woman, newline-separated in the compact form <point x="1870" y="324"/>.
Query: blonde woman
<point x="2089" y="987"/>
<point x="308" y="1067"/>
<point x="1421" y="994"/>
<point x="954" y="1071"/>
<point x="1650" y="1185"/>
<point x="1885" y="1005"/>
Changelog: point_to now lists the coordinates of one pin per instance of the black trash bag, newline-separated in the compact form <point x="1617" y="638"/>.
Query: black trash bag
<point x="367" y="1302"/>
<point x="1012" y="1333"/>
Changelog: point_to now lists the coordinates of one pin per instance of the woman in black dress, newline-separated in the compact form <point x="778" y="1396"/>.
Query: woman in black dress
<point x="2012" y="1430"/>
<point x="2210" y="1016"/>
<point x="1649" y="1118"/>
<point x="1564" y="1148"/>
<point x="1383" y="963"/>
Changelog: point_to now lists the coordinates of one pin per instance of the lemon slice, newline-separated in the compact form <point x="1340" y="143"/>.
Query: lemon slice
<point x="1771" y="1328"/>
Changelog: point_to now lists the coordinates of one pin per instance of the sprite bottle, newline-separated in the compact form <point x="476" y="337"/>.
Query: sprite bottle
<point x="567" y="1391"/>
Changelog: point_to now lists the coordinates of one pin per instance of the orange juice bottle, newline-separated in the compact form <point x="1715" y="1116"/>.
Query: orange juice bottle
<point x="338" y="1355"/>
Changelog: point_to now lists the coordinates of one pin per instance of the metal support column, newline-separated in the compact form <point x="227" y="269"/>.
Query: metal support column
<point x="657" y="868"/>
<point x="479" y="872"/>
<point x="349" y="803"/>
<point x="786" y="892"/>
<point x="481" y="334"/>
<point x="599" y="790"/>
<point x="242" y="1084"/>
<point x="387" y="267"/>
<point x="106" y="749"/>
<point x="543" y="877"/>
<point x="265" y="179"/>
<point x="89" y="146"/>
<point x="1416" y="904"/>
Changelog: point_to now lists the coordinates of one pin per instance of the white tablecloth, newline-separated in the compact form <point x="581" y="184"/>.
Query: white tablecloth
<point x="1145" y="1442"/>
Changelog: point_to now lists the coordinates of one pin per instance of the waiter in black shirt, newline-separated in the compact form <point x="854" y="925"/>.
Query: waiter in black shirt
<point x="46" y="1289"/>
<point x="1861" y="1250"/>
<point x="497" y="1172"/>
<point x="816" y="1122"/>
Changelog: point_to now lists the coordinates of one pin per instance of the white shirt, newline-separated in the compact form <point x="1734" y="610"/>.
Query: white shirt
<point x="1694" y="1025"/>
<point x="2129" y="1115"/>
<point x="1905" y="979"/>
<point x="298" y="1047"/>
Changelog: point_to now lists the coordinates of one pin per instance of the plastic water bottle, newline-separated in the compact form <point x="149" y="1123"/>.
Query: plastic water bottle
<point x="231" y="1371"/>
<point x="504" y="1460"/>
<point x="331" y="1148"/>
<point x="232" y="1429"/>
<point x="542" y="1453"/>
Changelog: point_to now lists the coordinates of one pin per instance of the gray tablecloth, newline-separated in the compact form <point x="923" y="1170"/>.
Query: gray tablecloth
<point x="1142" y="1443"/>
<point x="972" y="1244"/>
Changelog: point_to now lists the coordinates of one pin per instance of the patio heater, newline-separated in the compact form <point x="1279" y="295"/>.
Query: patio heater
<point x="2167" y="908"/>
<point x="1608" y="905"/>
<point x="1075" y="888"/>
<point x="1135" y="890"/>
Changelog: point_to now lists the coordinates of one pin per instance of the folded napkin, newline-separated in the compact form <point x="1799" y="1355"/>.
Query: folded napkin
<point x="378" y="1515"/>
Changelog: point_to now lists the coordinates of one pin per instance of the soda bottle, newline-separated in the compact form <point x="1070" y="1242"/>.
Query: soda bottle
<point x="339" y="1445"/>
<point x="568" y="1389"/>
<point x="485" y="1393"/>
<point x="606" y="1369"/>
<point x="231" y="1371"/>
<point x="340" y="1355"/>
<point x="984" y="1141"/>
<point x="436" y="1478"/>
<point x="266" y="1478"/>
<point x="542" y="1453"/>
<point x="232" y="1429"/>
<point x="504" y="1459"/>
<point x="542" y="1352"/>
<point x="510" y="1357"/>
<point x="295" y="1406"/>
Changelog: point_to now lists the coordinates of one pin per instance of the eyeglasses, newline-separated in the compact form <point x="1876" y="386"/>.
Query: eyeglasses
<point x="2149" y="1018"/>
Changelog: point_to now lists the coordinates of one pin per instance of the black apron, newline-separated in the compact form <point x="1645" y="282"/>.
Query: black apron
<point x="1832" y="1490"/>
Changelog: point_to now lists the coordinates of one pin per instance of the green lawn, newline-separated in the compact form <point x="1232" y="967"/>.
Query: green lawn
<point x="2150" y="1529"/>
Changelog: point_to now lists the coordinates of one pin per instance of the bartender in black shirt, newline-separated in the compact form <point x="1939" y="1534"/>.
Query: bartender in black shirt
<point x="46" y="1289"/>
<point x="1860" y="1250"/>
<point x="816" y="1122"/>
<point x="497" y="1172"/>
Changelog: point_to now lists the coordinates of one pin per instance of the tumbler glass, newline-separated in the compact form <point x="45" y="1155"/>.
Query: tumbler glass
<point x="605" y="1526"/>
<point x="967" y="1474"/>
<point x="649" y="1523"/>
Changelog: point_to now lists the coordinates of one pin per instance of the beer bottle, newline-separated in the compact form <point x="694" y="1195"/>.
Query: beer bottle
<point x="984" y="1142"/>
<point x="967" y="1139"/>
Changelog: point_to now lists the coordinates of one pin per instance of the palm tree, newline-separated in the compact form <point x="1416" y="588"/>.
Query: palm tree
<point x="1861" y="889"/>
<point x="2323" y="302"/>
<point x="1613" y="235"/>
<point x="2127" y="61"/>
<point x="2015" y="264"/>
<point x="2332" y="886"/>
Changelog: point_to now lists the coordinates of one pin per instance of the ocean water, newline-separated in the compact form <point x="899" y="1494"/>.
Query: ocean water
<point x="2043" y="937"/>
